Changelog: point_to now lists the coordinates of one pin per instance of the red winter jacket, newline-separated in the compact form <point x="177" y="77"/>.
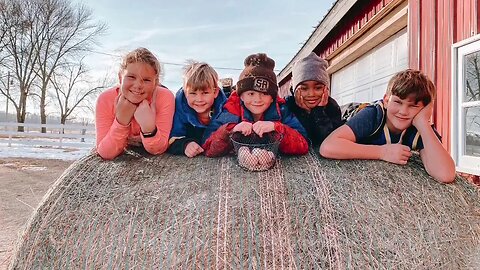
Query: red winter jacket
<point x="234" y="112"/>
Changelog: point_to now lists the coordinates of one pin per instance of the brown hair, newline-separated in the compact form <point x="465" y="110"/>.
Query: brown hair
<point x="408" y="82"/>
<point x="199" y="75"/>
<point x="142" y="55"/>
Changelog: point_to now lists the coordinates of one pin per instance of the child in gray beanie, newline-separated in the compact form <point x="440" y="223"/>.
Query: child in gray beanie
<point x="310" y="100"/>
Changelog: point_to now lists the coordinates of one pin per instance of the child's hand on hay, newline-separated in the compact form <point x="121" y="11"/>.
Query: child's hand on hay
<point x="145" y="117"/>
<point x="261" y="127"/>
<point x="395" y="153"/>
<point x="193" y="149"/>
<point x="124" y="110"/>
<point x="244" y="127"/>
<point x="423" y="117"/>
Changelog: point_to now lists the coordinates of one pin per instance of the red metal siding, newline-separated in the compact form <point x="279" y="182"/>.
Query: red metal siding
<point x="467" y="21"/>
<point x="459" y="16"/>
<point x="477" y="16"/>
<point x="433" y="27"/>
<point x="345" y="30"/>
<point x="443" y="78"/>
<point x="414" y="33"/>
<point x="379" y="7"/>
<point x="466" y="16"/>
<point x="349" y="28"/>
<point x="428" y="37"/>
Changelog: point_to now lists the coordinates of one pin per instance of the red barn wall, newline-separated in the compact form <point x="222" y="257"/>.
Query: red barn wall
<point x="433" y="27"/>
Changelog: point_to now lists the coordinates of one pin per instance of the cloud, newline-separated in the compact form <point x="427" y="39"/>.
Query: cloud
<point x="219" y="32"/>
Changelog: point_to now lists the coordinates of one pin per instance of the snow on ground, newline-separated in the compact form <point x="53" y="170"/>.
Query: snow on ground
<point x="19" y="150"/>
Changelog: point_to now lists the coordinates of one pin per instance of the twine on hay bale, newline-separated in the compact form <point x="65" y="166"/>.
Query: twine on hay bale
<point x="305" y="213"/>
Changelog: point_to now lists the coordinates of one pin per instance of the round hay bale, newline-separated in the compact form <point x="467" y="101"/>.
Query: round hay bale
<point x="306" y="213"/>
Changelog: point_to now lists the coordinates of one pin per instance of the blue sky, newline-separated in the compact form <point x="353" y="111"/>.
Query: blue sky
<point x="221" y="33"/>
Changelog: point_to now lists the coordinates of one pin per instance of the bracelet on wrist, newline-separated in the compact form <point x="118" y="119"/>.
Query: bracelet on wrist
<point x="150" y="134"/>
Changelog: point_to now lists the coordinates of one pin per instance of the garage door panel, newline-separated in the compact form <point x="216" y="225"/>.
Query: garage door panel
<point x="402" y="51"/>
<point x="342" y="85"/>
<point x="363" y="95"/>
<point x="383" y="60"/>
<point x="363" y="69"/>
<point x="347" y="98"/>
<point x="402" y="63"/>
<point x="366" y="78"/>
<point x="348" y="80"/>
<point x="378" y="88"/>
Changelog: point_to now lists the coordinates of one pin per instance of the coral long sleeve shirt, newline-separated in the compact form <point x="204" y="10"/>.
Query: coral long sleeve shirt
<point x="113" y="137"/>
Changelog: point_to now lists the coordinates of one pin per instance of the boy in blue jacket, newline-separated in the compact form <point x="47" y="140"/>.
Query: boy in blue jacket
<point x="196" y="103"/>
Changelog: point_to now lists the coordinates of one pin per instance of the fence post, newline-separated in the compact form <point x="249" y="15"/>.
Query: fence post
<point x="9" y="136"/>
<point x="62" y="132"/>
<point x="84" y="130"/>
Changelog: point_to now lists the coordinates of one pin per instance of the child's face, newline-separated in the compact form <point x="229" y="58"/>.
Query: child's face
<point x="137" y="82"/>
<point x="400" y="112"/>
<point x="256" y="102"/>
<point x="201" y="100"/>
<point x="311" y="92"/>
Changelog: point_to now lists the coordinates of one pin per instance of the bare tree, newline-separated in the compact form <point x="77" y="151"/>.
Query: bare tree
<point x="473" y="78"/>
<point x="472" y="94"/>
<point x="71" y="90"/>
<point x="3" y="28"/>
<point x="18" y="52"/>
<point x="6" y="82"/>
<point x="64" y="31"/>
<point x="36" y="38"/>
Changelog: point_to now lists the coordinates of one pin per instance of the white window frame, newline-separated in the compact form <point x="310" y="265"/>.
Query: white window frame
<point x="464" y="163"/>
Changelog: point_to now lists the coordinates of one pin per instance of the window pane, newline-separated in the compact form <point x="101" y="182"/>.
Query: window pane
<point x="472" y="131"/>
<point x="472" y="77"/>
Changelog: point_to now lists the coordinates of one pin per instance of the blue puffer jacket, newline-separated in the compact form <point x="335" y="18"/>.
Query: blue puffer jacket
<point x="186" y="126"/>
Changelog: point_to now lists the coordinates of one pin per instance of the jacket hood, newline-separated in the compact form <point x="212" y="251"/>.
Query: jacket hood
<point x="191" y="115"/>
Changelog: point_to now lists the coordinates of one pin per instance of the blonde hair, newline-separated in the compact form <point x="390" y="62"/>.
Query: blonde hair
<point x="199" y="75"/>
<point x="142" y="55"/>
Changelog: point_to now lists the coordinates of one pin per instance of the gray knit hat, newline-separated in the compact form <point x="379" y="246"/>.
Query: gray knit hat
<point x="310" y="68"/>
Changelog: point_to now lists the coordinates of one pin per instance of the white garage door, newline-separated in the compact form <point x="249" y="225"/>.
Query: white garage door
<point x="366" y="78"/>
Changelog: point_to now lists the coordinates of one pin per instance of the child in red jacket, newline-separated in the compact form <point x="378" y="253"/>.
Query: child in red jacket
<point x="255" y="107"/>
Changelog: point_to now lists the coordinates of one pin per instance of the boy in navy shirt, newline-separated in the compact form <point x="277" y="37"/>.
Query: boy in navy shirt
<point x="393" y="127"/>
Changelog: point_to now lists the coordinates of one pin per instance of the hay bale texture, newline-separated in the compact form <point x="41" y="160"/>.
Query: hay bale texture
<point x="170" y="212"/>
